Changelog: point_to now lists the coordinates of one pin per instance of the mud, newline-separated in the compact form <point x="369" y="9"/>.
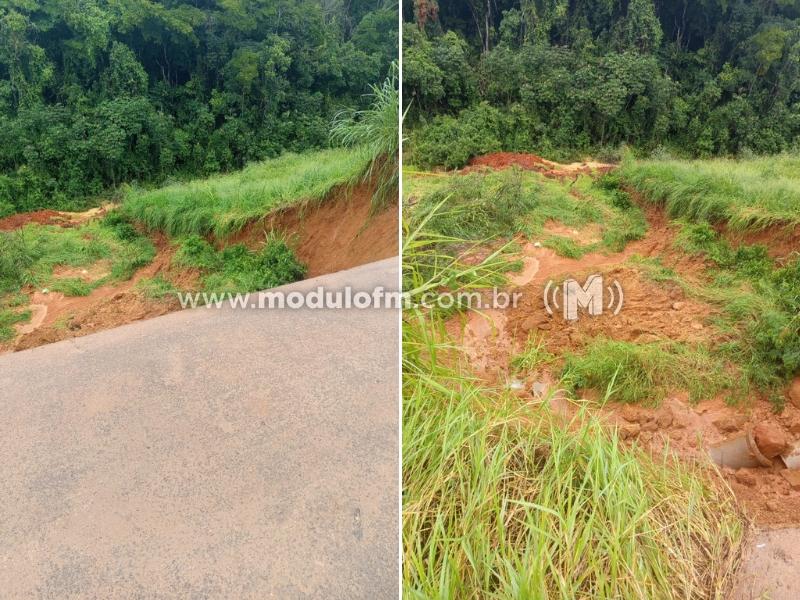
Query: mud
<point x="652" y="311"/>
<point x="52" y="217"/>
<point x="532" y="162"/>
<point x="339" y="233"/>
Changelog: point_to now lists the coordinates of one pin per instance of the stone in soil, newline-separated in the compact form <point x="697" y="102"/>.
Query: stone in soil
<point x="770" y="439"/>
<point x="730" y="423"/>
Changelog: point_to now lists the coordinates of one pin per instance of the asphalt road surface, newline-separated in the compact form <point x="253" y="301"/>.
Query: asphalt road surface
<point x="206" y="454"/>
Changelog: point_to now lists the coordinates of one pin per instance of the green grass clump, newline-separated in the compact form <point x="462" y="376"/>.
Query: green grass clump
<point x="533" y="356"/>
<point x="499" y="204"/>
<point x="72" y="286"/>
<point x="628" y="372"/>
<point x="9" y="318"/>
<point x="747" y="194"/>
<point x="502" y="500"/>
<point x="29" y="255"/>
<point x="156" y="287"/>
<point x="223" y="204"/>
<point x="236" y="269"/>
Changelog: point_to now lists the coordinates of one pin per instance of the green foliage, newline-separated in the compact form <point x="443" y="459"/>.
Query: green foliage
<point x="29" y="256"/>
<point x="627" y="372"/>
<point x="532" y="357"/>
<point x="746" y="194"/>
<point x="94" y="94"/>
<point x="9" y="318"/>
<point x="375" y="131"/>
<point x="699" y="78"/>
<point x="503" y="500"/>
<point x="237" y="269"/>
<point x="223" y="204"/>
<point x="156" y="287"/>
<point x="486" y="205"/>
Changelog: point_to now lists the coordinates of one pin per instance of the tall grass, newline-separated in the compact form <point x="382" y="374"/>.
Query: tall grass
<point x="502" y="499"/>
<point x="499" y="204"/>
<point x="375" y="131"/>
<point x="746" y="194"/>
<point x="223" y="204"/>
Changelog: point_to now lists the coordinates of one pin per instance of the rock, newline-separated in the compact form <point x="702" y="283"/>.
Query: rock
<point x="545" y="326"/>
<point x="696" y="326"/>
<point x="537" y="244"/>
<point x="770" y="439"/>
<point x="516" y="385"/>
<point x="678" y="305"/>
<point x="629" y="430"/>
<point x="793" y="477"/>
<point x="794" y="392"/>
<point x="529" y="324"/>
<point x="772" y="506"/>
<point x="730" y="423"/>
<point x="745" y="478"/>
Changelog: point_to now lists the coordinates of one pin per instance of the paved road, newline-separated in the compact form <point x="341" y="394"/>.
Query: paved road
<point x="206" y="454"/>
<point x="771" y="568"/>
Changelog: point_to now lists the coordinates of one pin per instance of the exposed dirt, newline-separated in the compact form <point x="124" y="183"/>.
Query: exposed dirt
<point x="337" y="234"/>
<point x="780" y="241"/>
<point x="43" y="217"/>
<point x="57" y="317"/>
<point x="532" y="162"/>
<point x="651" y="311"/>
<point x="52" y="217"/>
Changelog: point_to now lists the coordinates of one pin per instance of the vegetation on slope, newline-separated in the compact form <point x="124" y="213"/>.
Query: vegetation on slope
<point x="223" y="204"/>
<point x="30" y="256"/>
<point x="503" y="500"/>
<point x="747" y="194"/>
<point x="563" y="78"/>
<point x="100" y="92"/>
<point x="491" y="204"/>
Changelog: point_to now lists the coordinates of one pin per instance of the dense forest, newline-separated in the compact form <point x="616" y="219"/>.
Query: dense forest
<point x="94" y="93"/>
<point x="564" y="77"/>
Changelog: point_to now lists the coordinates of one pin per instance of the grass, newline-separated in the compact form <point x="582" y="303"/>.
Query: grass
<point x="503" y="500"/>
<point x="375" y="131"/>
<point x="750" y="194"/>
<point x="628" y="372"/>
<point x="532" y="357"/>
<point x="9" y="318"/>
<point x="236" y="269"/>
<point x="223" y="204"/>
<point x="29" y="256"/>
<point x="499" y="204"/>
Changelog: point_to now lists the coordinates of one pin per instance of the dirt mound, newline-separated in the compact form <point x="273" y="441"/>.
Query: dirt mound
<point x="532" y="162"/>
<point x="53" y="217"/>
<point x="42" y="217"/>
<point x="337" y="234"/>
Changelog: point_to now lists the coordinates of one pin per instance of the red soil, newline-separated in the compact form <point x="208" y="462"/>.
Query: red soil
<point x="337" y="234"/>
<point x="532" y="162"/>
<point x="43" y="217"/>
<point x="651" y="311"/>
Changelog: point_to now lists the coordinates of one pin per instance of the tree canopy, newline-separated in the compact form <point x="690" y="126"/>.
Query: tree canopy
<point x="703" y="78"/>
<point x="94" y="93"/>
